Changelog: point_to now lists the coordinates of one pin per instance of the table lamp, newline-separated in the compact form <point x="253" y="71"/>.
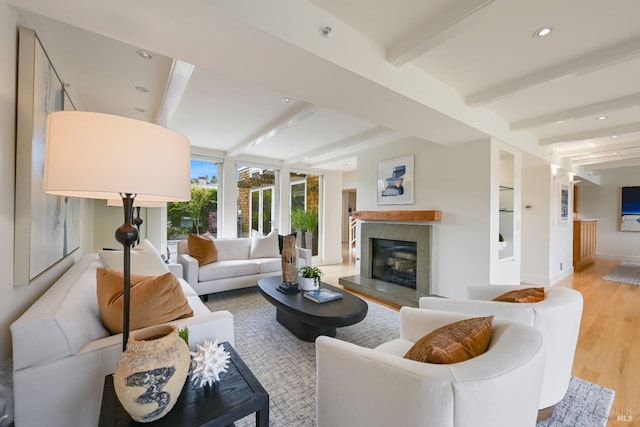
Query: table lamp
<point x="103" y="156"/>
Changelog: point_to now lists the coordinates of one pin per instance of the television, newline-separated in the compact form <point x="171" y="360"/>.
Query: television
<point x="630" y="208"/>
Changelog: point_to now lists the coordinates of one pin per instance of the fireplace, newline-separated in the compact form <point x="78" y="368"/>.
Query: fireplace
<point x="395" y="262"/>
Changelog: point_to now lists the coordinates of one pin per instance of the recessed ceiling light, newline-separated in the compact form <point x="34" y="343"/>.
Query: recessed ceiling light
<point x="614" y="136"/>
<point x="286" y="100"/>
<point x="541" y="32"/>
<point x="558" y="122"/>
<point x="601" y="117"/>
<point x="142" y="89"/>
<point x="139" y="110"/>
<point x="144" y="54"/>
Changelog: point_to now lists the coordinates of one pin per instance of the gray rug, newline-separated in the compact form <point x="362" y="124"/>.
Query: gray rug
<point x="285" y="365"/>
<point x="625" y="272"/>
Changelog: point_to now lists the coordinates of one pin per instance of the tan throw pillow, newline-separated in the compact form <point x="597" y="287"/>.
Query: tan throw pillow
<point x="153" y="300"/>
<point x="453" y="343"/>
<point x="202" y="248"/>
<point x="522" y="295"/>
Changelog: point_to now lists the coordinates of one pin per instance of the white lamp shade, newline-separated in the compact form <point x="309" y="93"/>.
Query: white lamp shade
<point x="102" y="156"/>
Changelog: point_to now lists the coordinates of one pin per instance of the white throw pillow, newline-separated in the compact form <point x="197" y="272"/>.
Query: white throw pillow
<point x="265" y="246"/>
<point x="145" y="260"/>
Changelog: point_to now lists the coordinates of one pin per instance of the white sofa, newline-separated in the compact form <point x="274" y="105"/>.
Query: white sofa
<point x="557" y="317"/>
<point x="235" y="267"/>
<point x="62" y="351"/>
<point x="363" y="387"/>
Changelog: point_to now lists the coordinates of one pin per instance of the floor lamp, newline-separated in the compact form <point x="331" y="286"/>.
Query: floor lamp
<point x="102" y="156"/>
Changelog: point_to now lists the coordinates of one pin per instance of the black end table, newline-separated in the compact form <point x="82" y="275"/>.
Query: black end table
<point x="237" y="395"/>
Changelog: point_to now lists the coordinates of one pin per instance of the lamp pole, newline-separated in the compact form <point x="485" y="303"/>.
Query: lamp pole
<point x="127" y="234"/>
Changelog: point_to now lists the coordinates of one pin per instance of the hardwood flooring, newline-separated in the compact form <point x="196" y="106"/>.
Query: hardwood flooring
<point x="608" y="351"/>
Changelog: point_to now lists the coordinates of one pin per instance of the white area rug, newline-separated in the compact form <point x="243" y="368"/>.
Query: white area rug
<point x="625" y="272"/>
<point x="285" y="365"/>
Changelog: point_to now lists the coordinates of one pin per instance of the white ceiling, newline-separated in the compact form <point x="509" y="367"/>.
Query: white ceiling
<point x="443" y="71"/>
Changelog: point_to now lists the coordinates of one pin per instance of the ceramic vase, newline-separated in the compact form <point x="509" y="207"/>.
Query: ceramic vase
<point x="151" y="372"/>
<point x="289" y="259"/>
<point x="308" y="284"/>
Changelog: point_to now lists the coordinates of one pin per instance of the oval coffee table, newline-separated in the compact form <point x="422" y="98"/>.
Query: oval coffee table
<point x="307" y="319"/>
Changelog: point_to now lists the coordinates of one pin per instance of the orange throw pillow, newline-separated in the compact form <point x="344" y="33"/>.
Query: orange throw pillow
<point x="202" y="248"/>
<point x="522" y="295"/>
<point x="153" y="300"/>
<point x="453" y="343"/>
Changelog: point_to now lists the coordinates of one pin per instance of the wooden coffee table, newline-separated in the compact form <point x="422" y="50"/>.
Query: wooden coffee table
<point x="307" y="319"/>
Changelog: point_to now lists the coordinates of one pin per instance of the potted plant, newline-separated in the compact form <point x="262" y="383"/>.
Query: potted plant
<point x="310" y="225"/>
<point x="309" y="277"/>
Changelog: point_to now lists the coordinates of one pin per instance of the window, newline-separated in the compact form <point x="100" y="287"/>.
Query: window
<point x="256" y="199"/>
<point x="200" y="214"/>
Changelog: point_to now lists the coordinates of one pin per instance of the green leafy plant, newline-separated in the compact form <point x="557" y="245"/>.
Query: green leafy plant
<point x="311" y="220"/>
<point x="184" y="334"/>
<point x="311" y="272"/>
<point x="298" y="219"/>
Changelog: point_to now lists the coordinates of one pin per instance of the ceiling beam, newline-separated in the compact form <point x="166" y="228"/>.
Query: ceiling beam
<point x="606" y="158"/>
<point x="352" y="141"/>
<point x="590" y="110"/>
<point x="591" y="134"/>
<point x="433" y="32"/>
<point x="581" y="65"/>
<point x="301" y="112"/>
<point x="600" y="149"/>
<point x="177" y="83"/>
<point x="614" y="164"/>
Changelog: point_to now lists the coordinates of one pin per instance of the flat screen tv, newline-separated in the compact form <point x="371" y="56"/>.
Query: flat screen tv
<point x="630" y="209"/>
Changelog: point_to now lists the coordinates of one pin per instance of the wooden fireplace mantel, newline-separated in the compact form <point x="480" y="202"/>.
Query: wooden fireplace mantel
<point x="398" y="215"/>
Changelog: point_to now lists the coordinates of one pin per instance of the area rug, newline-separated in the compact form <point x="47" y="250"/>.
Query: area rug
<point x="625" y="272"/>
<point x="285" y="365"/>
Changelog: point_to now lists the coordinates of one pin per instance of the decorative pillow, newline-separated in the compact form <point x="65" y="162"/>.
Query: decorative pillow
<point x="153" y="300"/>
<point x="145" y="260"/>
<point x="522" y="295"/>
<point x="264" y="246"/>
<point x="202" y="248"/>
<point x="453" y="343"/>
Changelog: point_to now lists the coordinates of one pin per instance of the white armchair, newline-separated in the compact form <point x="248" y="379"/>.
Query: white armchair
<point x="359" y="386"/>
<point x="557" y="317"/>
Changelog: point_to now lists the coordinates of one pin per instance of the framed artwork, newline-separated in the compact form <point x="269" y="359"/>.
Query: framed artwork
<point x="395" y="181"/>
<point x="630" y="208"/>
<point x="46" y="226"/>
<point x="564" y="203"/>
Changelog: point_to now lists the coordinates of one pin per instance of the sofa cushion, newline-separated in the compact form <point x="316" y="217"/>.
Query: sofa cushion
<point x="145" y="260"/>
<point x="233" y="249"/>
<point x="203" y="249"/>
<point x="268" y="265"/>
<point x="522" y="295"/>
<point x="154" y="299"/>
<point x="453" y="343"/>
<point x="226" y="269"/>
<point x="264" y="246"/>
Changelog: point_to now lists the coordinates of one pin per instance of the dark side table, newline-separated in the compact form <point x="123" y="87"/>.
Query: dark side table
<point x="237" y="395"/>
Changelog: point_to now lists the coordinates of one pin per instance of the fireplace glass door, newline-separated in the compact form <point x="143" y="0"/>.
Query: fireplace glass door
<point x="394" y="261"/>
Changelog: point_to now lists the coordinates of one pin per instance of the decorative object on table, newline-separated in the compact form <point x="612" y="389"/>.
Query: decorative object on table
<point x="309" y="277"/>
<point x="105" y="142"/>
<point x="288" y="256"/>
<point x="184" y="334"/>
<point x="151" y="372"/>
<point x="395" y="181"/>
<point x="209" y="361"/>
<point x="322" y="295"/>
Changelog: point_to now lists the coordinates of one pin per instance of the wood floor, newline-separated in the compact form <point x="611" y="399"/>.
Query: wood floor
<point x="608" y="351"/>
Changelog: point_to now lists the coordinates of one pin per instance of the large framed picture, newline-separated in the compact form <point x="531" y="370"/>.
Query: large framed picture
<point x="46" y="226"/>
<point x="395" y="181"/>
<point x="630" y="208"/>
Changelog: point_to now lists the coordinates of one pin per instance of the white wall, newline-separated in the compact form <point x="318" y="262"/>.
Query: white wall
<point x="603" y="203"/>
<point x="455" y="180"/>
<point x="536" y="226"/>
